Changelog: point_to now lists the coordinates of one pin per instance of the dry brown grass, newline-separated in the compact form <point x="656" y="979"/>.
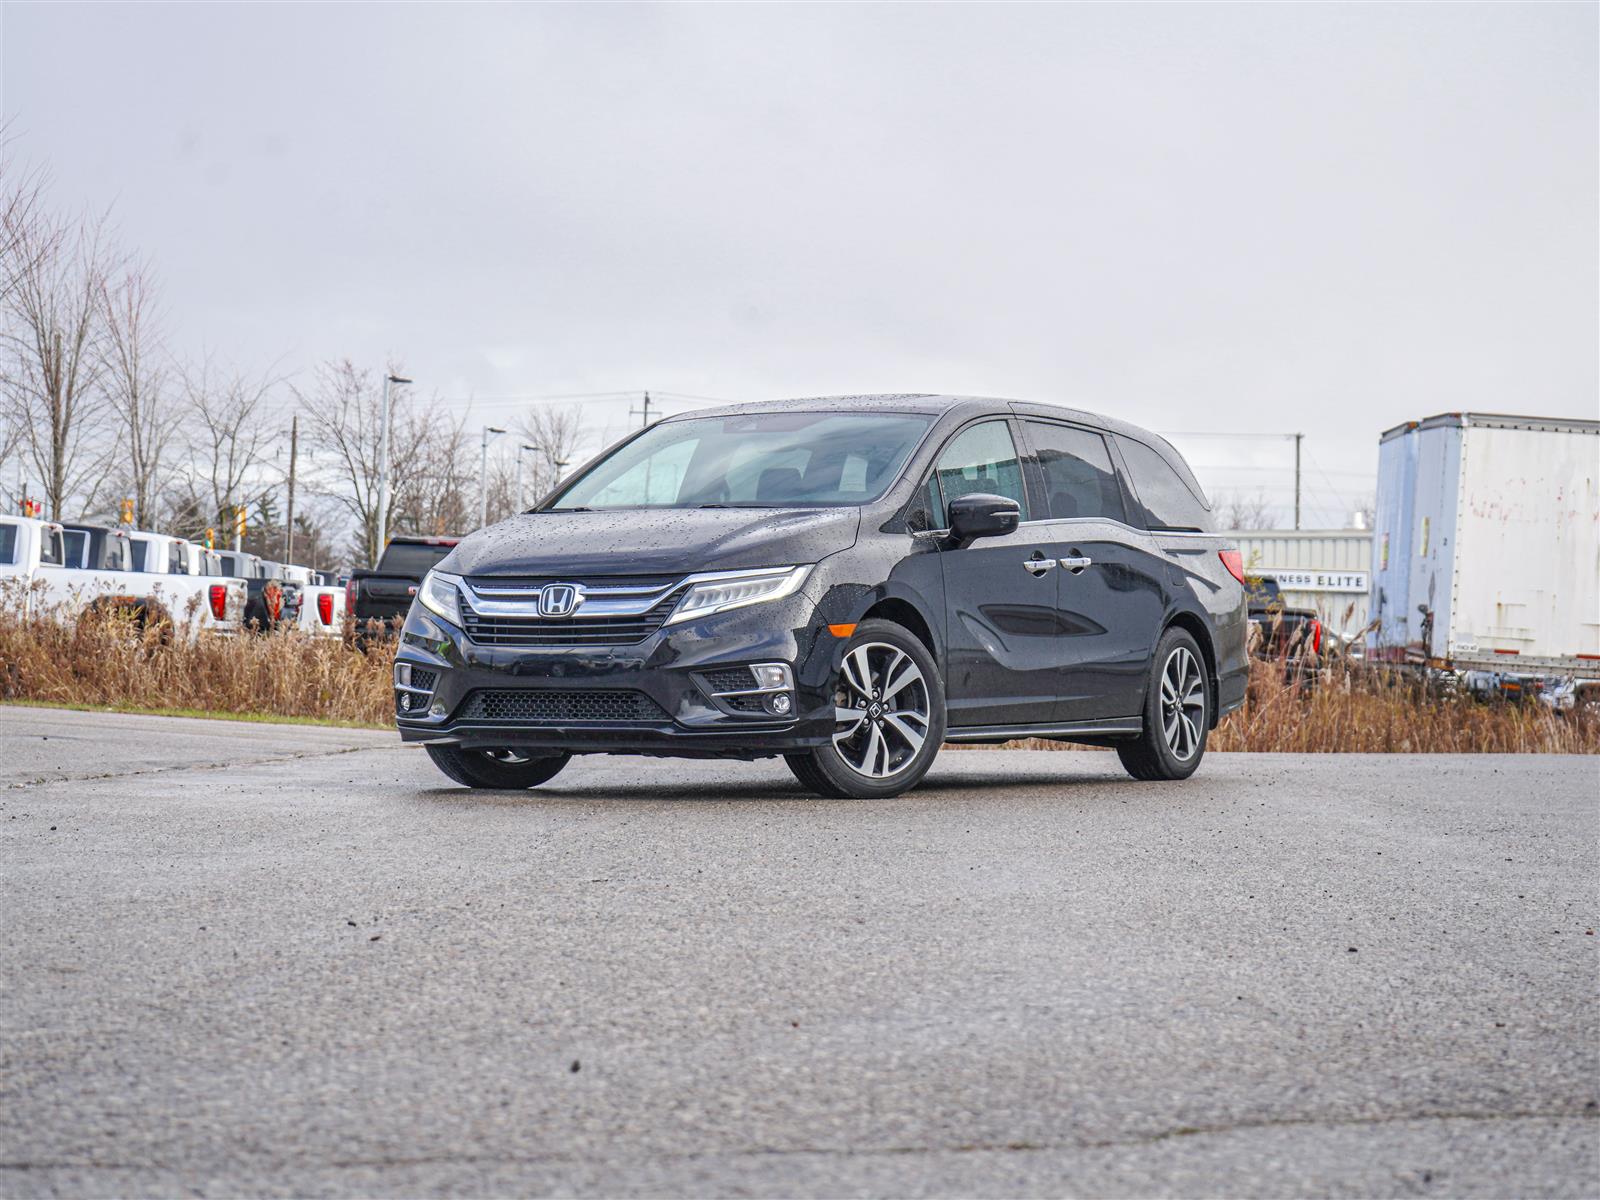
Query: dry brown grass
<point x="1352" y="709"/>
<point x="105" y="661"/>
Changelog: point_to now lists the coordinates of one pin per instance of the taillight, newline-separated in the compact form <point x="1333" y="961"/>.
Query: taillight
<point x="325" y="607"/>
<point x="219" y="601"/>
<point x="1234" y="561"/>
<point x="1316" y="637"/>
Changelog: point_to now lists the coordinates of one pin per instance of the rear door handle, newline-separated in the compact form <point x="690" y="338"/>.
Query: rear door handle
<point x="1038" y="566"/>
<point x="1076" y="565"/>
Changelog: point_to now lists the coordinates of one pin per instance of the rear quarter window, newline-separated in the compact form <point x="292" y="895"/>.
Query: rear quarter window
<point x="411" y="558"/>
<point x="8" y="544"/>
<point x="1167" y="500"/>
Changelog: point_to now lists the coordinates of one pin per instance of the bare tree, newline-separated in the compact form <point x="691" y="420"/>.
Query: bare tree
<point x="1365" y="515"/>
<point x="231" y="422"/>
<point x="21" y="194"/>
<point x="1238" y="511"/>
<point x="53" y="330"/>
<point x="440" y="493"/>
<point x="135" y="383"/>
<point x="556" y="433"/>
<point x="429" y="484"/>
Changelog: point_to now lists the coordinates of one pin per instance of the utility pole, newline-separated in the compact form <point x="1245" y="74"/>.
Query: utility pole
<point x="483" y="475"/>
<point x="1297" y="440"/>
<point x="383" y="469"/>
<point x="642" y="412"/>
<point x="288" y="521"/>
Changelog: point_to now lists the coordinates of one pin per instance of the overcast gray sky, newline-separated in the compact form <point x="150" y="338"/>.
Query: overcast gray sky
<point x="1230" y="218"/>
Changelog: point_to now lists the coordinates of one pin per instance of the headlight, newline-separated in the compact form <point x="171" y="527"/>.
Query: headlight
<point x="438" y="594"/>
<point x="714" y="593"/>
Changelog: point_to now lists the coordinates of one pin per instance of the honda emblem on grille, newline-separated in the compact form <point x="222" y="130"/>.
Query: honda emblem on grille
<point x="559" y="599"/>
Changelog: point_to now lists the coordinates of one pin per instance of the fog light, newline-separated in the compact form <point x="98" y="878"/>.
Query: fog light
<point x="779" y="704"/>
<point x="437" y="710"/>
<point x="405" y="701"/>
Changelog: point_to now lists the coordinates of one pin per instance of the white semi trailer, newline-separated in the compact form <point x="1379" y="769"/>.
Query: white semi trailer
<point x="1486" y="547"/>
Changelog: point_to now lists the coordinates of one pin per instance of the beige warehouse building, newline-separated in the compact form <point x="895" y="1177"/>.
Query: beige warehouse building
<point x="1323" y="569"/>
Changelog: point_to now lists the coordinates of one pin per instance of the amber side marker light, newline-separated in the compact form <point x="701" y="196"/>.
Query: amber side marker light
<point x="842" y="631"/>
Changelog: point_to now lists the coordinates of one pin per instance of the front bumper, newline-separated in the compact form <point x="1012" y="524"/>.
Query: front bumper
<point x="566" y="698"/>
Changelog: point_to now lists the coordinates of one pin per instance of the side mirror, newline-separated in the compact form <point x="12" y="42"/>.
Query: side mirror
<point x="982" y="515"/>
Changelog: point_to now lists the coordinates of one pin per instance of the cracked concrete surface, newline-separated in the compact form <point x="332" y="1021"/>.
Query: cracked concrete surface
<point x="303" y="964"/>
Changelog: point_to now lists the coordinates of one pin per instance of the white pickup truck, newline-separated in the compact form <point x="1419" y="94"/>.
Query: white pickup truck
<point x="318" y="603"/>
<point x="45" y="567"/>
<point x="189" y="583"/>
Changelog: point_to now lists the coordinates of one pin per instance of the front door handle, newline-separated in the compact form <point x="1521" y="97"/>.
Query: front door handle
<point x="1038" y="566"/>
<point x="1076" y="565"/>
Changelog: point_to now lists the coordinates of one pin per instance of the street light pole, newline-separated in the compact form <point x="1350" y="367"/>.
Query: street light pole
<point x="483" y="475"/>
<point x="383" y="467"/>
<point x="520" y="451"/>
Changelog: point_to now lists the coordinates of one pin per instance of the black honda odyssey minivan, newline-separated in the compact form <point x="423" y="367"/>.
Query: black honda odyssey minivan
<point x="849" y="582"/>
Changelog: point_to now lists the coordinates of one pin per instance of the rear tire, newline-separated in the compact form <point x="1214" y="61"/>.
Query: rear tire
<point x="892" y="702"/>
<point x="1177" y="712"/>
<point x="480" y="769"/>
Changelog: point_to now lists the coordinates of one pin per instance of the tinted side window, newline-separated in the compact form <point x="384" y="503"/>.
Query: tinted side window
<point x="1079" y="480"/>
<point x="1168" y="501"/>
<point x="175" y="559"/>
<point x="139" y="549"/>
<point x="982" y="458"/>
<point x="8" y="544"/>
<point x="77" y="545"/>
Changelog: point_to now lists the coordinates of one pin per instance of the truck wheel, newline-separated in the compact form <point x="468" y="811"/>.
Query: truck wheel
<point x="1177" y="708"/>
<point x="889" y="703"/>
<point x="503" y="770"/>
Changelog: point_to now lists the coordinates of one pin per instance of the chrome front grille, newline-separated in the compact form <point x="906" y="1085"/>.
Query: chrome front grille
<point x="619" y="610"/>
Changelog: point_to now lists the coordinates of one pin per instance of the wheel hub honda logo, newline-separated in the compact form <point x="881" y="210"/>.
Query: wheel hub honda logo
<point x="559" y="599"/>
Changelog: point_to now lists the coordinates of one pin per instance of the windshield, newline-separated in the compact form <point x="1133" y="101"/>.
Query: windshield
<point x="760" y="460"/>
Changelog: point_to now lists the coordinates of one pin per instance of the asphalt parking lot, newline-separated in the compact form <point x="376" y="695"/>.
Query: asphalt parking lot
<point x="246" y="959"/>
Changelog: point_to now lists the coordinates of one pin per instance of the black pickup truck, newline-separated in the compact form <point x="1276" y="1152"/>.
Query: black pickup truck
<point x="383" y="593"/>
<point x="1278" y="631"/>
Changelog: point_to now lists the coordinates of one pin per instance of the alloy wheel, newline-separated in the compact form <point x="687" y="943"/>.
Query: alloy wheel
<point x="881" y="710"/>
<point x="1183" y="703"/>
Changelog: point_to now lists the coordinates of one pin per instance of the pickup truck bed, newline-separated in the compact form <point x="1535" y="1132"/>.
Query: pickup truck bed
<point x="384" y="592"/>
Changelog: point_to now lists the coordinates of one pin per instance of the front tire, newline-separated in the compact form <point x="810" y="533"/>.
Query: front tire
<point x="890" y="718"/>
<point x="502" y="770"/>
<point x="1177" y="711"/>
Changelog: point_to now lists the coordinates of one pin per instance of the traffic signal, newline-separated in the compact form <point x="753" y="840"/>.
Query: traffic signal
<point x="239" y="525"/>
<point x="211" y="538"/>
<point x="127" y="512"/>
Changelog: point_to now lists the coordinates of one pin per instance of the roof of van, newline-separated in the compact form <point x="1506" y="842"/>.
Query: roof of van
<point x="930" y="403"/>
